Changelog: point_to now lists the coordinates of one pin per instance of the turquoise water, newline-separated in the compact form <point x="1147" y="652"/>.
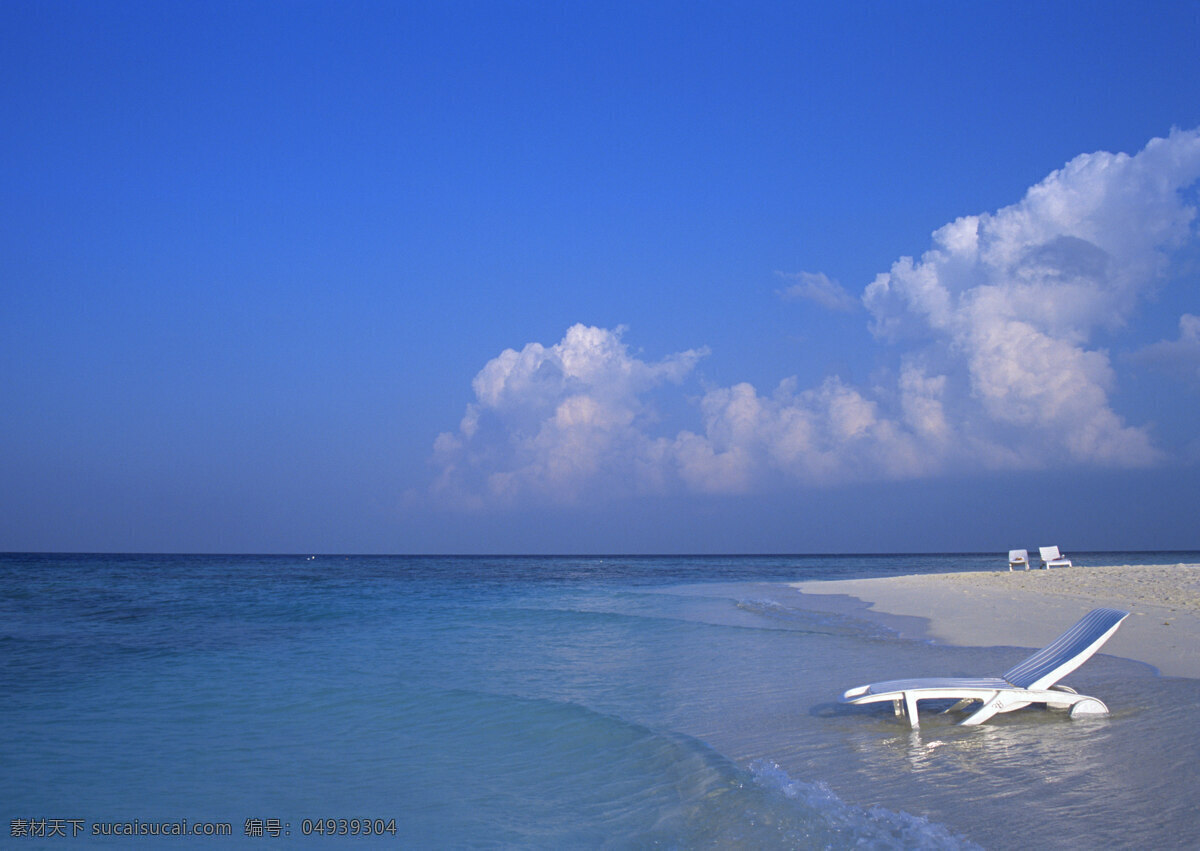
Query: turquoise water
<point x="542" y="702"/>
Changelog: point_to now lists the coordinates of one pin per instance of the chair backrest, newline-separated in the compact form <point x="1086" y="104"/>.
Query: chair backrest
<point x="1018" y="556"/>
<point x="1050" y="553"/>
<point x="1067" y="652"/>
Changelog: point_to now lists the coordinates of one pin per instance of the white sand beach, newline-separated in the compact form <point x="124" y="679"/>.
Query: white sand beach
<point x="1030" y="608"/>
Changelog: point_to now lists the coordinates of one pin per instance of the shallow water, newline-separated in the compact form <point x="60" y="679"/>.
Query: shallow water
<point x="545" y="702"/>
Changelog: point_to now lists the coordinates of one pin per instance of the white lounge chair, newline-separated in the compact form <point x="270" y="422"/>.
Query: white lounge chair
<point x="1032" y="681"/>
<point x="1051" y="557"/>
<point x="1017" y="558"/>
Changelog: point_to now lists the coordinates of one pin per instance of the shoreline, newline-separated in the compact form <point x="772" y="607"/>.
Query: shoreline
<point x="1031" y="608"/>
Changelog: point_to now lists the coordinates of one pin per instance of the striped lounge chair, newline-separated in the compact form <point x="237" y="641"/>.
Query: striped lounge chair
<point x="1032" y="681"/>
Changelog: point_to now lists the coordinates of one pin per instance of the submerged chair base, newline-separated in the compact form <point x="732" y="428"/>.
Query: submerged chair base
<point x="1031" y="681"/>
<point x="991" y="699"/>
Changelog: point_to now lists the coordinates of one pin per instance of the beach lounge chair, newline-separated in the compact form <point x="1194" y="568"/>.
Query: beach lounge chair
<point x="1051" y="557"/>
<point x="1018" y="558"/>
<point x="1032" y="681"/>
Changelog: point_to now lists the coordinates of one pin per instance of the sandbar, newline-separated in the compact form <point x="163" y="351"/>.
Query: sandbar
<point x="1029" y="608"/>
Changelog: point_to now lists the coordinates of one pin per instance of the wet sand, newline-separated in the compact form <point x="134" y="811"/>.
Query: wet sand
<point x="1030" y="608"/>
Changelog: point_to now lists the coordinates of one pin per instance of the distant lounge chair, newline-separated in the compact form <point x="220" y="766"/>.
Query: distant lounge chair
<point x="1051" y="557"/>
<point x="1017" y="558"/>
<point x="1032" y="681"/>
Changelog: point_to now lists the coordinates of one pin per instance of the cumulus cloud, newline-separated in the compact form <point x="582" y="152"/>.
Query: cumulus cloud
<point x="818" y="287"/>
<point x="1018" y="294"/>
<point x="557" y="420"/>
<point x="990" y="333"/>
<point x="824" y="435"/>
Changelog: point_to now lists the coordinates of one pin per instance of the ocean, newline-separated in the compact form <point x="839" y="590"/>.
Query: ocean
<point x="541" y="702"/>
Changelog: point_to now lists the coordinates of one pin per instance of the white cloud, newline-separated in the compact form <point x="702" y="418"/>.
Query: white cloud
<point x="824" y="435"/>
<point x="818" y="287"/>
<point x="1017" y="294"/>
<point x="556" y="420"/>
<point x="990" y="332"/>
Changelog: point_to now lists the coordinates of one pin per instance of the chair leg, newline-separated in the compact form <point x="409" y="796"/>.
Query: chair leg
<point x="910" y="703"/>
<point x="990" y="707"/>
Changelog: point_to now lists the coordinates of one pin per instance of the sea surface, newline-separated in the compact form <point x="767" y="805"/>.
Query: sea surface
<point x="542" y="702"/>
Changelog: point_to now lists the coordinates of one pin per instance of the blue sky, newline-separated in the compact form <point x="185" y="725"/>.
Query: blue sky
<point x="599" y="277"/>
